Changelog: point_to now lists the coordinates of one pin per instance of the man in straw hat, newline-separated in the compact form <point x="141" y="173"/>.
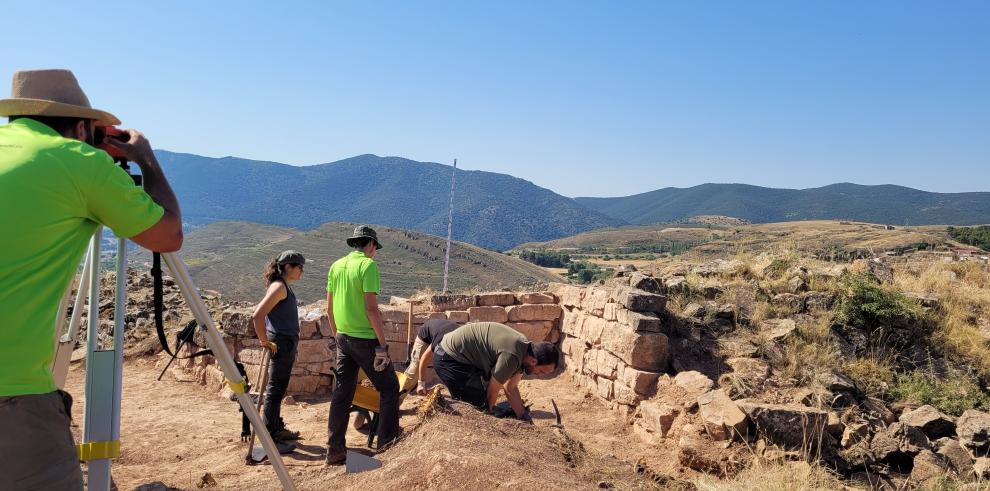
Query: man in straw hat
<point x="353" y="285"/>
<point x="55" y="189"/>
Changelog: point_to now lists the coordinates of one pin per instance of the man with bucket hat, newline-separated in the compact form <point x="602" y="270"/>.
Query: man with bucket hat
<point x="353" y="285"/>
<point x="56" y="188"/>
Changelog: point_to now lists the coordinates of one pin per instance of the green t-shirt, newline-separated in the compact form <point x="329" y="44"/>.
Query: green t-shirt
<point x="350" y="277"/>
<point x="496" y="349"/>
<point x="54" y="192"/>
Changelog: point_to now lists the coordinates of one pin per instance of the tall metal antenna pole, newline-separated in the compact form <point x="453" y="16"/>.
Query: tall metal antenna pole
<point x="450" y="228"/>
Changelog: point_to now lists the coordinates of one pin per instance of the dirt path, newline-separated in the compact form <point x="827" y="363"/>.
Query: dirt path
<point x="174" y="432"/>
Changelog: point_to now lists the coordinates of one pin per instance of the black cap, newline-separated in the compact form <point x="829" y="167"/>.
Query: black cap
<point x="364" y="231"/>
<point x="290" y="257"/>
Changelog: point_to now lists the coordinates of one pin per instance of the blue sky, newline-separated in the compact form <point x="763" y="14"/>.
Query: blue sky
<point x="586" y="98"/>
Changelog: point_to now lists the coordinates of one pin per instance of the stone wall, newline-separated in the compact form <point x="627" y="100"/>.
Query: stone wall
<point x="614" y="341"/>
<point x="535" y="314"/>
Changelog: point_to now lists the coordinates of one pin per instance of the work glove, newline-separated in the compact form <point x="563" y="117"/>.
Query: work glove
<point x="420" y="388"/>
<point x="381" y="358"/>
<point x="271" y="346"/>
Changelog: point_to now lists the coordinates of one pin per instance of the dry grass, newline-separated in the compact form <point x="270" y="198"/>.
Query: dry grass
<point x="874" y="375"/>
<point x="805" y="354"/>
<point x="963" y="290"/>
<point x="785" y="476"/>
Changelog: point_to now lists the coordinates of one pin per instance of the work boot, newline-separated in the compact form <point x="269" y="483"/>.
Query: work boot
<point x="283" y="432"/>
<point x="336" y="457"/>
<point x="285" y="435"/>
<point x="284" y="448"/>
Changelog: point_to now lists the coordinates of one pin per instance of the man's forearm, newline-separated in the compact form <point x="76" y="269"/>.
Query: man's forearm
<point x="515" y="400"/>
<point x="157" y="186"/>
<point x="375" y="316"/>
<point x="493" y="388"/>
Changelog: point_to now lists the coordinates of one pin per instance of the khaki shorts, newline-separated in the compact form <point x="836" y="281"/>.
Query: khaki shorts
<point x="36" y="447"/>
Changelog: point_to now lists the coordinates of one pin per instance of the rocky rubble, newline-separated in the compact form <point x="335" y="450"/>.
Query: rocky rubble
<point x="825" y="417"/>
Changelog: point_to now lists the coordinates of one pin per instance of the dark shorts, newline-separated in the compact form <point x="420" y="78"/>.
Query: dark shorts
<point x="36" y="446"/>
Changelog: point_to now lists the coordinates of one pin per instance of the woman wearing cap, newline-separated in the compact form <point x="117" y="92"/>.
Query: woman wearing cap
<point x="280" y="335"/>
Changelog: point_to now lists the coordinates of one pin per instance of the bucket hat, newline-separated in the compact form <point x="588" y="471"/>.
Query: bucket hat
<point x="362" y="231"/>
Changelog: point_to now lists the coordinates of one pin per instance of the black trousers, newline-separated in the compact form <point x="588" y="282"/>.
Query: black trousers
<point x="354" y="354"/>
<point x="465" y="382"/>
<point x="279" y="373"/>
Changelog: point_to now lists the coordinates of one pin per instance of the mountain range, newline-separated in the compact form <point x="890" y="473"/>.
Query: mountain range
<point x="876" y="204"/>
<point x="499" y="211"/>
<point x="495" y="211"/>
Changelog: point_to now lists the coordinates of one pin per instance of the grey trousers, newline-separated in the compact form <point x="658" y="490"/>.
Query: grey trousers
<point x="36" y="447"/>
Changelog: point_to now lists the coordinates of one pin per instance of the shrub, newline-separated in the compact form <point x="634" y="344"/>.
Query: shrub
<point x="547" y="259"/>
<point x="867" y="305"/>
<point x="952" y="394"/>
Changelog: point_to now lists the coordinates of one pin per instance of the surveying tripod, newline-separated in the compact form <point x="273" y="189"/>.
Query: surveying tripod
<point x="104" y="365"/>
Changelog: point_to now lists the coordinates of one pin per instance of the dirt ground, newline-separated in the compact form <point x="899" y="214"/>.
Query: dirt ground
<point x="174" y="432"/>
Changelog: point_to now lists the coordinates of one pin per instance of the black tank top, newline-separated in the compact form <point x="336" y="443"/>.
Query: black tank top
<point x="284" y="317"/>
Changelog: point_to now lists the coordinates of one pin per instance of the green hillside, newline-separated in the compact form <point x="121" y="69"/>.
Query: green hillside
<point x="230" y="257"/>
<point x="895" y="205"/>
<point x="491" y="210"/>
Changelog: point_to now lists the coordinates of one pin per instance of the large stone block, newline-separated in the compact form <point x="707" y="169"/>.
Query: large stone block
<point x="397" y="315"/>
<point x="306" y="384"/>
<point x="642" y="321"/>
<point x="487" y="314"/>
<point x="931" y="421"/>
<point x="592" y="329"/>
<point x="722" y="418"/>
<point x="458" y="316"/>
<point x="395" y="332"/>
<point x="624" y="395"/>
<point x="790" y="426"/>
<point x="500" y="299"/>
<point x="643" y="351"/>
<point x="640" y="281"/>
<point x="571" y="296"/>
<point x="595" y="299"/>
<point x="973" y="428"/>
<point x="536" y="297"/>
<point x="534" y="331"/>
<point x="642" y="382"/>
<point x="604" y="388"/>
<point x="398" y="352"/>
<point x="534" y="312"/>
<point x="611" y="312"/>
<point x="640" y="301"/>
<point x="237" y="321"/>
<point x="308" y="328"/>
<point x="656" y="416"/>
<point x="251" y="356"/>
<point x="602" y="363"/>
<point x="573" y="323"/>
<point x="314" y="351"/>
<point x="452" y="302"/>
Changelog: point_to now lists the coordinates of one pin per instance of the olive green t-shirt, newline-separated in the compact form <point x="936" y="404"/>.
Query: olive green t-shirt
<point x="350" y="277"/>
<point x="495" y="348"/>
<point x="54" y="192"/>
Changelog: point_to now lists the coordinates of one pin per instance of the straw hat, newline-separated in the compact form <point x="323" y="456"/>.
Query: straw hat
<point x="50" y="93"/>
